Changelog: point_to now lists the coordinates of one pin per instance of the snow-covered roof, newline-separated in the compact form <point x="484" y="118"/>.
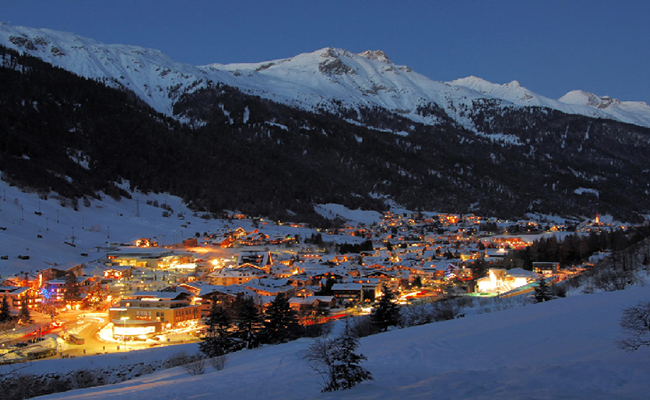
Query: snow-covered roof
<point x="521" y="273"/>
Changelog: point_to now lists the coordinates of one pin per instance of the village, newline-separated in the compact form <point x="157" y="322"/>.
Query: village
<point x="143" y="294"/>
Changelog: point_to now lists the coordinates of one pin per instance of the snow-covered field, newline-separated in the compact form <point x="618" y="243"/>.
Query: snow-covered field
<point x="562" y="349"/>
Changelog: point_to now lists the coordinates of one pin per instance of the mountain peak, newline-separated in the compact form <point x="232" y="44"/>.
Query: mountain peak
<point x="376" y="55"/>
<point x="580" y="97"/>
<point x="333" y="52"/>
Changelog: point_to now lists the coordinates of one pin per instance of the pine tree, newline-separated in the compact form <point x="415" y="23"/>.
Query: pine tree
<point x="24" y="316"/>
<point x="280" y="322"/>
<point x="71" y="287"/>
<point x="387" y="312"/>
<point x="5" y="313"/>
<point x="217" y="340"/>
<point x="337" y="362"/>
<point x="542" y="291"/>
<point x="248" y="320"/>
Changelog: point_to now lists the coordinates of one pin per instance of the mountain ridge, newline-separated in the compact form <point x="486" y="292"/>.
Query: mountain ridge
<point x="370" y="79"/>
<point x="234" y="147"/>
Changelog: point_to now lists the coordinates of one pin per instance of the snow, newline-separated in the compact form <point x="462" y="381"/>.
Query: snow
<point x="357" y="217"/>
<point x="40" y="227"/>
<point x="564" y="348"/>
<point x="501" y="138"/>
<point x="367" y="80"/>
<point x="561" y="349"/>
<point x="587" y="191"/>
<point x="633" y="112"/>
<point x="94" y="227"/>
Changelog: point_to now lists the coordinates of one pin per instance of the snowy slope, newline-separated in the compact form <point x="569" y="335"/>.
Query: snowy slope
<point x="559" y="349"/>
<point x="633" y="112"/>
<point x="44" y="237"/>
<point x="154" y="77"/>
<point x="316" y="80"/>
<point x="575" y="102"/>
<point x="325" y="79"/>
<point x="101" y="223"/>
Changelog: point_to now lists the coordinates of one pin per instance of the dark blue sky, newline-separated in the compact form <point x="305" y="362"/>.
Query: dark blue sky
<point x="550" y="46"/>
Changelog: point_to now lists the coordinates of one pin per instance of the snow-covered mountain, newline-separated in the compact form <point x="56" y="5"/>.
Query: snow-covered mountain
<point x="574" y="102"/>
<point x="328" y="79"/>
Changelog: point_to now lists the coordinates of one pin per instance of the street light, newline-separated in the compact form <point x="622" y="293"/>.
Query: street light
<point x="124" y="331"/>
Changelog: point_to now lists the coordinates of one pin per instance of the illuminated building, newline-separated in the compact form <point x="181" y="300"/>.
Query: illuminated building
<point x="147" y="313"/>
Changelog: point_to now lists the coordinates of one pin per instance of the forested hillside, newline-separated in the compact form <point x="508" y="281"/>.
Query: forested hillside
<point x="76" y="137"/>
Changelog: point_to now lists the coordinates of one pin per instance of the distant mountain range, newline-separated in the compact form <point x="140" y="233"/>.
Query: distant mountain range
<point x="465" y="146"/>
<point x="325" y="79"/>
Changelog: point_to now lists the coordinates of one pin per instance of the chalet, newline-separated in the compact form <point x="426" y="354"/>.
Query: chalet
<point x="118" y="272"/>
<point x="271" y="287"/>
<point x="23" y="279"/>
<point x="318" y="304"/>
<point x="236" y="275"/>
<point x="16" y="294"/>
<point x="260" y="259"/>
<point x="205" y="294"/>
<point x="347" y="291"/>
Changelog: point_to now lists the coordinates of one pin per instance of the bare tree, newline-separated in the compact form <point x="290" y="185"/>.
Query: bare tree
<point x="635" y="323"/>
<point x="218" y="362"/>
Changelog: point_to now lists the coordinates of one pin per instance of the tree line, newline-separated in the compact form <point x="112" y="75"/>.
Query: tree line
<point x="576" y="248"/>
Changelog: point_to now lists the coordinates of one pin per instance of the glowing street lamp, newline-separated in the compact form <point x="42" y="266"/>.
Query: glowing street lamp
<point x="124" y="331"/>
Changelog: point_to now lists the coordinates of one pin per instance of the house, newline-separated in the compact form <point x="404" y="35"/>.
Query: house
<point x="317" y="304"/>
<point x="236" y="275"/>
<point x="271" y="287"/>
<point x="546" y="268"/>
<point x="347" y="291"/>
<point x="260" y="259"/>
<point x="16" y="294"/>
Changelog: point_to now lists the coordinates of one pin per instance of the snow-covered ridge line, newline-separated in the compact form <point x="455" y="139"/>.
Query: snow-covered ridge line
<point x="327" y="78"/>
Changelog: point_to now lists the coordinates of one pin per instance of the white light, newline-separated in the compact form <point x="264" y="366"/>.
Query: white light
<point x="133" y="330"/>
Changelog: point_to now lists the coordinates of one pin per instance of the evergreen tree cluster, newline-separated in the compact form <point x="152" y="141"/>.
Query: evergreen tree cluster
<point x="575" y="248"/>
<point x="387" y="312"/>
<point x="5" y="311"/>
<point x="543" y="291"/>
<point x="366" y="245"/>
<point x="241" y="325"/>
